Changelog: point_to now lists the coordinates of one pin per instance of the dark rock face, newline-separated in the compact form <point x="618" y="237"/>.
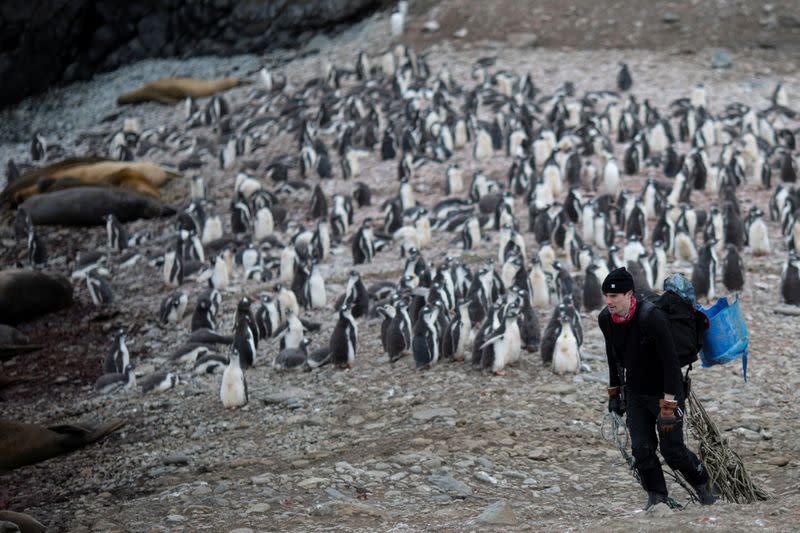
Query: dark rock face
<point x="43" y="42"/>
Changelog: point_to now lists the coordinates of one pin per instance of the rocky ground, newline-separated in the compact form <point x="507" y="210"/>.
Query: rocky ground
<point x="381" y="447"/>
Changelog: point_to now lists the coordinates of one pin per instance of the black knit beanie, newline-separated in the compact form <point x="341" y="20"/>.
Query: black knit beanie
<point x="618" y="281"/>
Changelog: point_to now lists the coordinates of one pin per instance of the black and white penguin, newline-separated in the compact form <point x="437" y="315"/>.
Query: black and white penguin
<point x="233" y="389"/>
<point x="99" y="289"/>
<point x="454" y="181"/>
<point x="203" y="316"/>
<point x="502" y="346"/>
<point x="566" y="352"/>
<point x="790" y="279"/>
<point x="189" y="352"/>
<point x="117" y="236"/>
<point x="173" y="307"/>
<point x="624" y="79"/>
<point x="159" y="382"/>
<point x="592" y="289"/>
<point x="362" y="194"/>
<point x="343" y="341"/>
<point x="268" y="317"/>
<point x="733" y="228"/>
<point x="363" y="246"/>
<point x="355" y="295"/>
<point x="173" y="265"/>
<point x="425" y="340"/>
<point x="314" y="288"/>
<point x="319" y="204"/>
<point x="292" y="358"/>
<point x="757" y="234"/>
<point x="244" y="342"/>
<point x="118" y="357"/>
<point x="117" y="381"/>
<point x="209" y="363"/>
<point x="38" y="147"/>
<point x="733" y="270"/>
<point x="240" y="217"/>
<point x="704" y="272"/>
<point x="37" y="253"/>
<point x="456" y="337"/>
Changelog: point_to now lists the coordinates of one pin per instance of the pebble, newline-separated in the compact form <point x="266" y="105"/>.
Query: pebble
<point x="176" y="518"/>
<point x="258" y="508"/>
<point x="241" y="530"/>
<point x="499" y="513"/>
<point x="449" y="484"/>
<point x="263" y="479"/>
<point x="778" y="461"/>
<point x="312" y="482"/>
<point x="175" y="459"/>
<point x="662" y="510"/>
<point x="480" y="475"/>
<point x="430" y="26"/>
<point x="721" y="59"/>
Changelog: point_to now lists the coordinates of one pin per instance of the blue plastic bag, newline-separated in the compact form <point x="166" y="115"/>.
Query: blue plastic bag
<point x="726" y="338"/>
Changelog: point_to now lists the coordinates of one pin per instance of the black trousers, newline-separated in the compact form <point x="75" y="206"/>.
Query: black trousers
<point x="642" y="412"/>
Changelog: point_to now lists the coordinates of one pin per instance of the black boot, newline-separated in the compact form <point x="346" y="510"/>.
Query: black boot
<point x="654" y="498"/>
<point x="706" y="494"/>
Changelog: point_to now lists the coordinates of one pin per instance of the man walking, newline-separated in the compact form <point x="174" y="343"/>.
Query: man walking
<point x="645" y="380"/>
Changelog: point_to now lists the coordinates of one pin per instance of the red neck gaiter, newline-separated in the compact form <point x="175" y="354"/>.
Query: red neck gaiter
<point x="627" y="318"/>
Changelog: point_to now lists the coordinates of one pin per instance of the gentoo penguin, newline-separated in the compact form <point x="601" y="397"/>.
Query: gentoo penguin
<point x="212" y="229"/>
<point x="503" y="345"/>
<point x="539" y="285"/>
<point x="456" y="337"/>
<point x="733" y="228"/>
<point x="220" y="278"/>
<point x="624" y="80"/>
<point x="160" y="382"/>
<point x="118" y="358"/>
<point x="292" y="358"/>
<point x="173" y="307"/>
<point x="233" y="390"/>
<point x="732" y="270"/>
<point x="173" y="266"/>
<point x="566" y="353"/>
<point x="203" y="316"/>
<point x="111" y="383"/>
<point x="117" y="236"/>
<point x="99" y="289"/>
<point x="592" y="291"/>
<point x="244" y="342"/>
<point x="319" y="204"/>
<point x="355" y="295"/>
<point x="704" y="272"/>
<point x="454" y="181"/>
<point x="37" y="253"/>
<point x="209" y="364"/>
<point x="425" y="340"/>
<point x="343" y="342"/>
<point x="757" y="234"/>
<point x="189" y="352"/>
<point x="268" y="318"/>
<point x="790" y="279"/>
<point x="363" y="247"/>
<point x="314" y="288"/>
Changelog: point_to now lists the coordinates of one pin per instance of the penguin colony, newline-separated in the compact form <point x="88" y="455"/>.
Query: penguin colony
<point x="475" y="273"/>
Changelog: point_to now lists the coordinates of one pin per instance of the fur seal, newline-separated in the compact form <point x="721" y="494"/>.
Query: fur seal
<point x="26" y="294"/>
<point x="170" y="91"/>
<point x="88" y="206"/>
<point x="24" y="444"/>
<point x="25" y="523"/>
<point x="141" y="176"/>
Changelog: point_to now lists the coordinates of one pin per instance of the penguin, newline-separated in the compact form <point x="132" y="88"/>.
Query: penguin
<point x="363" y="246"/>
<point x="117" y="236"/>
<point x="733" y="229"/>
<point x="732" y="270"/>
<point x="658" y="265"/>
<point x="362" y="194"/>
<point x="38" y="147"/>
<point x="790" y="279"/>
<point x="387" y="312"/>
<point x="233" y="389"/>
<point x="757" y="235"/>
<point x="287" y="302"/>
<point x="244" y="342"/>
<point x="197" y="188"/>
<point x="37" y="253"/>
<point x="220" y="279"/>
<point x="173" y="307"/>
<point x="539" y="285"/>
<point x="189" y="352"/>
<point x="240" y="216"/>
<point x="209" y="364"/>
<point x="264" y="224"/>
<point x="704" y="272"/>
<point x="502" y="347"/>
<point x="118" y="358"/>
<point x="454" y="181"/>
<point x="173" y="267"/>
<point x="268" y="317"/>
<point x="566" y="352"/>
<point x="483" y="148"/>
<point x="314" y="288"/>
<point x="319" y="204"/>
<point x="355" y="295"/>
<point x="160" y="382"/>
<point x="203" y="317"/>
<point x="115" y="382"/>
<point x="99" y="289"/>
<point x="425" y="340"/>
<point x="292" y="358"/>
<point x="456" y="337"/>
<point x="343" y="341"/>
<point x="471" y="233"/>
<point x="624" y="79"/>
<point x="592" y="289"/>
<point x="212" y="229"/>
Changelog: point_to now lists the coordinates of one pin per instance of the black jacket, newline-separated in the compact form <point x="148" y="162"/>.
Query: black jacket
<point x="644" y="348"/>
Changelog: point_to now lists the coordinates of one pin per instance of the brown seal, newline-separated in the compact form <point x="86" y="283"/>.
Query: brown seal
<point x="26" y="294"/>
<point x="173" y="90"/>
<point x="25" y="522"/>
<point x="88" y="206"/>
<point x="141" y="176"/>
<point x="25" y="444"/>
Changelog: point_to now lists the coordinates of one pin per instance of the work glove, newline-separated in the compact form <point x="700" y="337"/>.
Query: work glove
<point x="669" y="415"/>
<point x="615" y="402"/>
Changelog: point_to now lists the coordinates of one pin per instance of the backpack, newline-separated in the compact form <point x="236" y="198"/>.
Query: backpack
<point x="687" y="324"/>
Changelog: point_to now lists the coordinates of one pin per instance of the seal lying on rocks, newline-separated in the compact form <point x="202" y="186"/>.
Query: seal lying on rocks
<point x="88" y="206"/>
<point x="172" y="90"/>
<point x="24" y="444"/>
<point x="26" y="294"/>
